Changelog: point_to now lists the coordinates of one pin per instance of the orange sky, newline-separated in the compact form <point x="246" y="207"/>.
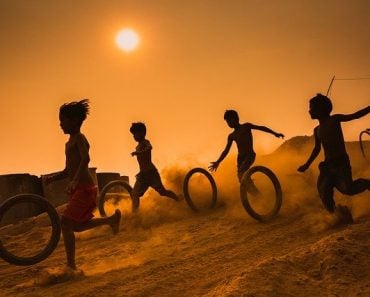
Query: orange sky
<point x="196" y="59"/>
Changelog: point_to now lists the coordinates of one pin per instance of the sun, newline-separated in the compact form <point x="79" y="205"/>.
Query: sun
<point x="127" y="40"/>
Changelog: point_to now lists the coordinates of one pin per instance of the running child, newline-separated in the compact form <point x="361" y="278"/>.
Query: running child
<point x="78" y="215"/>
<point x="242" y="135"/>
<point x="335" y="170"/>
<point x="148" y="175"/>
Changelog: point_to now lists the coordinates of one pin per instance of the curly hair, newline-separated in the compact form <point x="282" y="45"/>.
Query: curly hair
<point x="138" y="127"/>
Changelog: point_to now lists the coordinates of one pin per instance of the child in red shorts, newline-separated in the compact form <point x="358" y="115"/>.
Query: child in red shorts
<point x="78" y="215"/>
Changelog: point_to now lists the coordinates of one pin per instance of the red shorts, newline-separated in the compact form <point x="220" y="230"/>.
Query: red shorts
<point x="81" y="204"/>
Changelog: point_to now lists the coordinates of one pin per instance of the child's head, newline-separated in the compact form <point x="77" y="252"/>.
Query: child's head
<point x="138" y="130"/>
<point x="320" y="106"/>
<point x="72" y="115"/>
<point x="232" y="118"/>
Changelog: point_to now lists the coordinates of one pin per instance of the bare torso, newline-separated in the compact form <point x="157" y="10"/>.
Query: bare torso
<point x="144" y="156"/>
<point x="73" y="159"/>
<point x="331" y="136"/>
<point x="243" y="138"/>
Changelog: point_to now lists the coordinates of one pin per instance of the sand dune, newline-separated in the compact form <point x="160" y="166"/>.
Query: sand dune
<point x="167" y="250"/>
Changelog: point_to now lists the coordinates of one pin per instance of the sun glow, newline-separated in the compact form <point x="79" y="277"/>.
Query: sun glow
<point x="127" y="40"/>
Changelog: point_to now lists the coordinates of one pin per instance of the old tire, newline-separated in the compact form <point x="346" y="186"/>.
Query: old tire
<point x="45" y="205"/>
<point x="186" y="188"/>
<point x="367" y="131"/>
<point x="244" y="195"/>
<point x="108" y="187"/>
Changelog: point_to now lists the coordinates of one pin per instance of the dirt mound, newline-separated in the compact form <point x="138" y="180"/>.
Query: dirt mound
<point x="336" y="265"/>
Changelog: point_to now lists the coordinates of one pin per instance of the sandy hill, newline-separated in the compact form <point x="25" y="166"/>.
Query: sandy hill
<point x="167" y="250"/>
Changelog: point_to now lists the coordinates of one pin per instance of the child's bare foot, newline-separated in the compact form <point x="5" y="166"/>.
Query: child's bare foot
<point x="116" y="220"/>
<point x="344" y="214"/>
<point x="58" y="275"/>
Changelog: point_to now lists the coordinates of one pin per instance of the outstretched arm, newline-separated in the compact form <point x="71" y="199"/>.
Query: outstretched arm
<point x="353" y="116"/>
<point x="315" y="152"/>
<point x="214" y="165"/>
<point x="268" y="130"/>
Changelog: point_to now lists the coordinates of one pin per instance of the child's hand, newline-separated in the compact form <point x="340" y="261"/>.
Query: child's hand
<point x="71" y="187"/>
<point x="134" y="153"/>
<point x="213" y="167"/>
<point x="303" y="168"/>
<point x="279" y="135"/>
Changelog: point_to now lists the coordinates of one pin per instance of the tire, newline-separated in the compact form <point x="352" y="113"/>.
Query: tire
<point x="367" y="131"/>
<point x="55" y="233"/>
<point x="186" y="188"/>
<point x="106" y="189"/>
<point x="244" y="194"/>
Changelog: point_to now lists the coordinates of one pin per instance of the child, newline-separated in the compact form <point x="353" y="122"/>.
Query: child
<point x="335" y="171"/>
<point x="78" y="215"/>
<point x="148" y="175"/>
<point x="243" y="137"/>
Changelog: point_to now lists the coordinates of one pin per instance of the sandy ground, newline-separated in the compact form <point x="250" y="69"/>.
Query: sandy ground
<point x="167" y="250"/>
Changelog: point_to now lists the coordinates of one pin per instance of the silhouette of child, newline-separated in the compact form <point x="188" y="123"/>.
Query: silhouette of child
<point x="78" y="215"/>
<point x="148" y="175"/>
<point x="335" y="170"/>
<point x="243" y="137"/>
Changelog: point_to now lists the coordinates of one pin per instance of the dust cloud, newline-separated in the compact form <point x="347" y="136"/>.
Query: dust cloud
<point x="300" y="196"/>
<point x="166" y="249"/>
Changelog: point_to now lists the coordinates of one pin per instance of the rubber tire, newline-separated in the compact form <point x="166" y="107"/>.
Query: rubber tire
<point x="107" y="187"/>
<point x="186" y="188"/>
<point x="361" y="143"/>
<point x="55" y="234"/>
<point x="244" y="194"/>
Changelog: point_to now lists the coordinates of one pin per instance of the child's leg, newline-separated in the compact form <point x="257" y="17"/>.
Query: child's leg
<point x="140" y="187"/>
<point x="353" y="187"/>
<point x="69" y="241"/>
<point x="244" y="163"/>
<point x="156" y="184"/>
<point x="69" y="227"/>
<point x="325" y="188"/>
<point x="113" y="221"/>
<point x="344" y="182"/>
<point x="251" y="187"/>
<point x="168" y="193"/>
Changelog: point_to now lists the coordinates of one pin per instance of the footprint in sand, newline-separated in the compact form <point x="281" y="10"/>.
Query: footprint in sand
<point x="57" y="275"/>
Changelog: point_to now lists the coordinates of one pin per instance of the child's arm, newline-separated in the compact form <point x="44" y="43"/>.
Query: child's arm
<point x="49" y="178"/>
<point x="315" y="152"/>
<point x="146" y="148"/>
<point x="268" y="130"/>
<point x="214" y="165"/>
<point x="352" y="116"/>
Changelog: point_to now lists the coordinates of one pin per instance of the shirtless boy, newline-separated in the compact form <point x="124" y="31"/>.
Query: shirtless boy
<point x="148" y="175"/>
<point x="242" y="135"/>
<point x="78" y="215"/>
<point x="335" y="170"/>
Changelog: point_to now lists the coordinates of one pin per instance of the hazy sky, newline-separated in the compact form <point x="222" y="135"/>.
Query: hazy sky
<point x="264" y="58"/>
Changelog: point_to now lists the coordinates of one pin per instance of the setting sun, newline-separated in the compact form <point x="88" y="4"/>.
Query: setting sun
<point x="127" y="40"/>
